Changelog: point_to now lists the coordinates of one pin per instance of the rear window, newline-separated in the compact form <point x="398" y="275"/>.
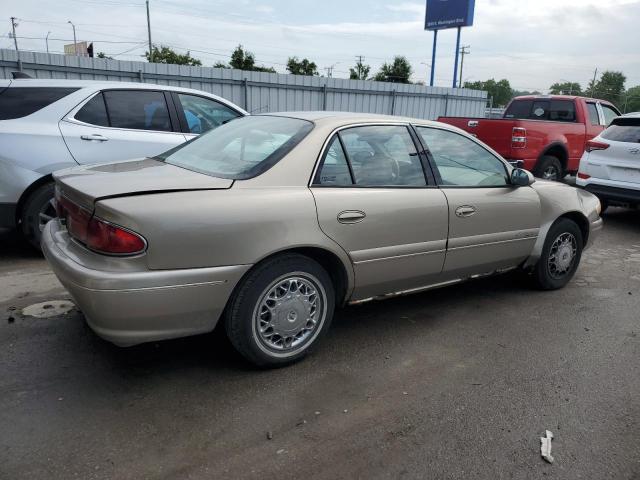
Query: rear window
<point x="18" y="102"/>
<point x="543" y="109"/>
<point x="241" y="149"/>
<point x="623" y="130"/>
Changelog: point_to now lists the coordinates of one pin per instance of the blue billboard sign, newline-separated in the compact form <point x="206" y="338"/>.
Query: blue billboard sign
<point x="443" y="14"/>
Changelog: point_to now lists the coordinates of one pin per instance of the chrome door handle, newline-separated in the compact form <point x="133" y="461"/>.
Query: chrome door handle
<point x="351" y="216"/>
<point x="97" y="137"/>
<point x="465" y="211"/>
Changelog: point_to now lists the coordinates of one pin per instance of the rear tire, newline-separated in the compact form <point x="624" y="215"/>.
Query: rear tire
<point x="280" y="311"/>
<point x="560" y="256"/>
<point x="549" y="168"/>
<point x="38" y="209"/>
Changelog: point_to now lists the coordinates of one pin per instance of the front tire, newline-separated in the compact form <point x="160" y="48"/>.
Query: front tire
<point x="38" y="209"/>
<point x="560" y="256"/>
<point x="281" y="310"/>
<point x="549" y="168"/>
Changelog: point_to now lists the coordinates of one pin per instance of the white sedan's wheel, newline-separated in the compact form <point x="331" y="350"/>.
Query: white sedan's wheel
<point x="280" y="310"/>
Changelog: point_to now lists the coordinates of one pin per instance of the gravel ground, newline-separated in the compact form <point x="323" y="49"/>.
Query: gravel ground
<point x="454" y="383"/>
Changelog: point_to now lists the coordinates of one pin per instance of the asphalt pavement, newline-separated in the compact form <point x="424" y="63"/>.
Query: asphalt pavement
<point x="455" y="383"/>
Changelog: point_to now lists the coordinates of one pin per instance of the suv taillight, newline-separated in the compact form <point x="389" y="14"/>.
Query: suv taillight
<point x="595" y="145"/>
<point x="97" y="234"/>
<point x="518" y="137"/>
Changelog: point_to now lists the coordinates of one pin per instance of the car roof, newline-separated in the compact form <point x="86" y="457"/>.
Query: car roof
<point x="346" y="118"/>
<point x="104" y="84"/>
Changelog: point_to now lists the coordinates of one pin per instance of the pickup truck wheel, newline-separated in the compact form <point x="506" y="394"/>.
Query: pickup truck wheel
<point x="560" y="256"/>
<point x="280" y="310"/>
<point x="38" y="209"/>
<point x="549" y="168"/>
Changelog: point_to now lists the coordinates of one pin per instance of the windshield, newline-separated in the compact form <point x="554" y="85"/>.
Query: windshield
<point x="242" y="148"/>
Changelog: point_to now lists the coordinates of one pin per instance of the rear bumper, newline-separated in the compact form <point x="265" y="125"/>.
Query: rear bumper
<point x="8" y="215"/>
<point x="131" y="307"/>
<point x="617" y="194"/>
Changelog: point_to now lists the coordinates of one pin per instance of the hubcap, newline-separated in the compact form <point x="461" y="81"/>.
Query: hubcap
<point x="550" y="173"/>
<point x="562" y="255"/>
<point x="290" y="313"/>
<point x="47" y="212"/>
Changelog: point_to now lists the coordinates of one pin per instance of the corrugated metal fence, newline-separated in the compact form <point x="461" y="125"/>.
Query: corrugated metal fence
<point x="259" y="91"/>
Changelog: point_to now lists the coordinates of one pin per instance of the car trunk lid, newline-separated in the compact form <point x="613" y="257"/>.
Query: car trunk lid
<point x="85" y="185"/>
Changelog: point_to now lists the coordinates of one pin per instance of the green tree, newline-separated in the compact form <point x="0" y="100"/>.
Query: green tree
<point x="360" y="72"/>
<point x="399" y="71"/>
<point x="500" y="91"/>
<point x="103" y="55"/>
<point x="167" y="55"/>
<point x="610" y="87"/>
<point x="301" y="67"/>
<point x="632" y="100"/>
<point x="243" y="60"/>
<point x="566" y="88"/>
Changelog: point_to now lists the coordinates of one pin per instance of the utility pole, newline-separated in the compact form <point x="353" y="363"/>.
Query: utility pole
<point x="46" y="40"/>
<point x="359" y="66"/>
<point x="464" y="50"/>
<point x="14" y="24"/>
<point x="593" y="82"/>
<point x="75" y="43"/>
<point x="149" y="33"/>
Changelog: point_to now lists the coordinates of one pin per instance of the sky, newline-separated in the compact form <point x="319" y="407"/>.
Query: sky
<point x="532" y="43"/>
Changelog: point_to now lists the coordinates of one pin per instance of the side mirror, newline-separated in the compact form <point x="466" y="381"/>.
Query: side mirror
<point x="521" y="178"/>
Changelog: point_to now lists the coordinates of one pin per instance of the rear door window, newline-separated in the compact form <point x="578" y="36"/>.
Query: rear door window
<point x="18" y="102"/>
<point x="383" y="155"/>
<point x="138" y="110"/>
<point x="94" y="112"/>
<point x="203" y="114"/>
<point x="335" y="169"/>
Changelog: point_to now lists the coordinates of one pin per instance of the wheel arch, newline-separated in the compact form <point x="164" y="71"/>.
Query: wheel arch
<point x="558" y="150"/>
<point x="581" y="220"/>
<point x="334" y="265"/>
<point x="48" y="178"/>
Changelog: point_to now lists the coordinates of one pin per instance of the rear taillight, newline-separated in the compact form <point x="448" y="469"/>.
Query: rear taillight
<point x="518" y="137"/>
<point x="583" y="176"/>
<point x="104" y="237"/>
<point x="74" y="216"/>
<point x="595" y="145"/>
<point x="97" y="234"/>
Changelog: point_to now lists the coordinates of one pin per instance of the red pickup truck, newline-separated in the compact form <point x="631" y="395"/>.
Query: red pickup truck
<point x="546" y="134"/>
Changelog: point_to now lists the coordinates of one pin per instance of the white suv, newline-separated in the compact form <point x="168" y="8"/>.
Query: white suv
<point x="46" y="125"/>
<point x="610" y="166"/>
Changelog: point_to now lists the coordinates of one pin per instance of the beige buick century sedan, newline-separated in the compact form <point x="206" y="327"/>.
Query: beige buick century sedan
<point x="271" y="221"/>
